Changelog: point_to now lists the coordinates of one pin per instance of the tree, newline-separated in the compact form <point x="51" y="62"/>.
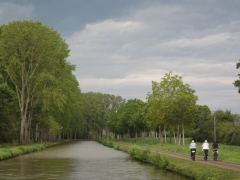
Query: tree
<point x="175" y="102"/>
<point x="29" y="50"/>
<point x="8" y="112"/>
<point x="203" y="116"/>
<point x="97" y="110"/>
<point x="224" y="123"/>
<point x="237" y="82"/>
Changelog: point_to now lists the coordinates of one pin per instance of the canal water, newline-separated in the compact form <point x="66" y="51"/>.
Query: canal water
<point x="81" y="160"/>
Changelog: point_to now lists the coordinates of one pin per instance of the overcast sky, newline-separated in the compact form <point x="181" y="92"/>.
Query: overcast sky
<point x="120" y="46"/>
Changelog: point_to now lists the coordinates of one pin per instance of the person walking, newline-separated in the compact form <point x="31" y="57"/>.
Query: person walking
<point x="192" y="147"/>
<point x="205" y="148"/>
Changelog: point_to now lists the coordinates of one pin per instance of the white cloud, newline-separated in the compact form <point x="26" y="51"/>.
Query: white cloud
<point x="124" y="56"/>
<point x="205" y="41"/>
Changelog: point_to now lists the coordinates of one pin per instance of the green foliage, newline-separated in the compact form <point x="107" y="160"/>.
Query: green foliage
<point x="129" y="118"/>
<point x="161" y="162"/>
<point x="141" y="154"/>
<point x="235" y="140"/>
<point x="11" y="151"/>
<point x="106" y="142"/>
<point x="228" y="136"/>
<point x="54" y="127"/>
<point x="222" y="129"/>
<point x="171" y="103"/>
<point x="203" y="115"/>
<point x="8" y="112"/>
<point x="97" y="111"/>
<point x="225" y="122"/>
<point x="133" y="151"/>
<point x="227" y="153"/>
<point x="237" y="82"/>
<point x="33" y="63"/>
<point x="211" y="178"/>
<point x="187" y="168"/>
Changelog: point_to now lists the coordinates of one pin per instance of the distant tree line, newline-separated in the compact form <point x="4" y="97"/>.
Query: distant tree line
<point x="171" y="111"/>
<point x="41" y="99"/>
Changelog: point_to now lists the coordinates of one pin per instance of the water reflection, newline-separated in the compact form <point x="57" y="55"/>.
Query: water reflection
<point x="81" y="160"/>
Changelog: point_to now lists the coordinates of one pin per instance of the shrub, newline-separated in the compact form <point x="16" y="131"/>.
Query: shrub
<point x="236" y="136"/>
<point x="228" y="136"/>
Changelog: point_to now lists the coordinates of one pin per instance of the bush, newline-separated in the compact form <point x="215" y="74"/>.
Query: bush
<point x="105" y="142"/>
<point x="236" y="136"/>
<point x="228" y="137"/>
<point x="143" y="155"/>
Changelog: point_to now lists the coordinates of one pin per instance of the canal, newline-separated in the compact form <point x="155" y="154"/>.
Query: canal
<point x="85" y="160"/>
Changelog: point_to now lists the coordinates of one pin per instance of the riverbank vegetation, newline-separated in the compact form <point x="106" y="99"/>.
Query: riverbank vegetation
<point x="171" y="111"/>
<point x="226" y="153"/>
<point x="187" y="168"/>
<point x="7" y="151"/>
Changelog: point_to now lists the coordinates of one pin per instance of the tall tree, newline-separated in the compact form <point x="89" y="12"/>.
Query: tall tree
<point x="97" y="108"/>
<point x="176" y="101"/>
<point x="29" y="50"/>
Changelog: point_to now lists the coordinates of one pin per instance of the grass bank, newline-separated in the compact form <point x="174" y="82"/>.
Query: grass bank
<point x="226" y="153"/>
<point x="12" y="151"/>
<point x="187" y="168"/>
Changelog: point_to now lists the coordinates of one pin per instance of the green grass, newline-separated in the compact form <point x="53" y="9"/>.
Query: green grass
<point x="226" y="153"/>
<point x="11" y="151"/>
<point x="187" y="168"/>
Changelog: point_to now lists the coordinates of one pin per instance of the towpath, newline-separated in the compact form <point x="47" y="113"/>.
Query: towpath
<point x="234" y="167"/>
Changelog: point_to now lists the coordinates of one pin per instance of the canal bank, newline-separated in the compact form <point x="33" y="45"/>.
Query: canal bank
<point x="193" y="170"/>
<point x="7" y="152"/>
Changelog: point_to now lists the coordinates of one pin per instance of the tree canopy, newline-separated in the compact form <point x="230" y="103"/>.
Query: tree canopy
<point x="33" y="62"/>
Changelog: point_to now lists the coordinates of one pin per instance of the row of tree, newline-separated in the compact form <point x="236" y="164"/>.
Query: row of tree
<point x="40" y="98"/>
<point x="39" y="93"/>
<point x="170" y="109"/>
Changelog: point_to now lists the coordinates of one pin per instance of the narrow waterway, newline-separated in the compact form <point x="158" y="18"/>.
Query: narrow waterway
<point x="85" y="160"/>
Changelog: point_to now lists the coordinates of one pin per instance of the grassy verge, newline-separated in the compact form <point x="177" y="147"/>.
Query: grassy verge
<point x="187" y="168"/>
<point x="12" y="151"/>
<point x="226" y="153"/>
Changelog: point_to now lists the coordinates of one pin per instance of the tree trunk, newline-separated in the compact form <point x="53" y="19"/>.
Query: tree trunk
<point x="159" y="128"/>
<point x="21" y="139"/>
<point x="26" y="133"/>
<point x="175" y="141"/>
<point x="179" y="139"/>
<point x="183" y="135"/>
<point x="178" y="134"/>
<point x="165" y="135"/>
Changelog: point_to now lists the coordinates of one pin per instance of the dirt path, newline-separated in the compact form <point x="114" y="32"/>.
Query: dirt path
<point x="211" y="162"/>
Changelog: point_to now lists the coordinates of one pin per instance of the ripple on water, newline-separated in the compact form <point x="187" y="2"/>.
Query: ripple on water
<point x="81" y="160"/>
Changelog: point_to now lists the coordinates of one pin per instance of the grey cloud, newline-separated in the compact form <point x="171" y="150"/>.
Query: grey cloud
<point x="10" y="12"/>
<point x="119" y="47"/>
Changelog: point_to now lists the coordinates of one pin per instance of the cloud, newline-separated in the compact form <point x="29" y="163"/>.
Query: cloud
<point x="205" y="41"/>
<point x="12" y="12"/>
<point x="123" y="56"/>
<point x="123" y="53"/>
